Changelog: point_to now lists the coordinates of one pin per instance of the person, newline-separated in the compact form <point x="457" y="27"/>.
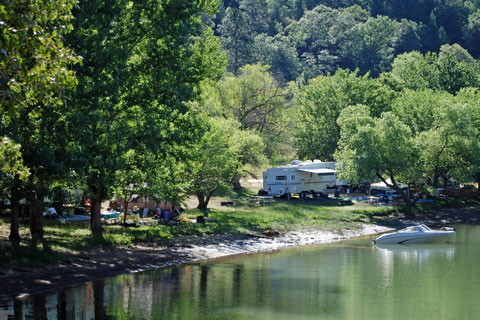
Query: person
<point x="167" y="216"/>
<point x="136" y="210"/>
<point x="51" y="213"/>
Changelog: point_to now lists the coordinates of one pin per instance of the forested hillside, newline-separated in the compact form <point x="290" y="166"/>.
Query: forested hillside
<point x="301" y="39"/>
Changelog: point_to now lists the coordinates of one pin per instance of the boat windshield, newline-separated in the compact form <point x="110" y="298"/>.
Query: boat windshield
<point x="417" y="228"/>
<point x="424" y="227"/>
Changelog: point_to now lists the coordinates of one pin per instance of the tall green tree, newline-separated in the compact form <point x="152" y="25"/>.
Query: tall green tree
<point x="143" y="61"/>
<point x="471" y="98"/>
<point x="447" y="71"/>
<point x="280" y="55"/>
<point x="253" y="98"/>
<point x="321" y="102"/>
<point x="374" y="43"/>
<point x="33" y="72"/>
<point x="444" y="133"/>
<point x="214" y="160"/>
<point x="237" y="36"/>
<point x="376" y="149"/>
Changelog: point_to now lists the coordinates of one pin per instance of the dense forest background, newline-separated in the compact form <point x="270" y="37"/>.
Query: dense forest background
<point x="301" y="39"/>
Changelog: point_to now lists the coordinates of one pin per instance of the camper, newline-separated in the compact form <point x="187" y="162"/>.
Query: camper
<point x="302" y="178"/>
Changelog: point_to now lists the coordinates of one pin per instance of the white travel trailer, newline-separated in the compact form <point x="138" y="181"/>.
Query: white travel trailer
<point x="302" y="178"/>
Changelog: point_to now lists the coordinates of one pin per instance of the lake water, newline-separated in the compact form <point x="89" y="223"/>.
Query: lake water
<point x="344" y="280"/>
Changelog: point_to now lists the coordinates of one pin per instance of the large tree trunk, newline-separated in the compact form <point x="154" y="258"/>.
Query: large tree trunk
<point x="201" y="200"/>
<point x="95" y="223"/>
<point x="204" y="200"/>
<point x="14" y="222"/>
<point x="36" y="215"/>
<point x="36" y="224"/>
<point x="14" y="214"/>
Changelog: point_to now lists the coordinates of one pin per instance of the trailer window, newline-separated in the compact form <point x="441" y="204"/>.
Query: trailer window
<point x="293" y="177"/>
<point x="326" y="174"/>
<point x="281" y="177"/>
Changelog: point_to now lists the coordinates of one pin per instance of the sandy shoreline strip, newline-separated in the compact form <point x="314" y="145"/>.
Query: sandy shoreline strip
<point x="104" y="263"/>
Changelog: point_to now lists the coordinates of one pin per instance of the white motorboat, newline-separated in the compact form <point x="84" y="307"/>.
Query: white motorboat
<point x="417" y="234"/>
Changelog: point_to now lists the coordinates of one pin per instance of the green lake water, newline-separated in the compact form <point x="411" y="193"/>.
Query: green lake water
<point x="344" y="280"/>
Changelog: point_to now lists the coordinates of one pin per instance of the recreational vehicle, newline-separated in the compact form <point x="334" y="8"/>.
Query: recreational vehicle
<point x="302" y="178"/>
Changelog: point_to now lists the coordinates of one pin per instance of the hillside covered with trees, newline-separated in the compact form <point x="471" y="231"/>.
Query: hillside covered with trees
<point x="301" y="39"/>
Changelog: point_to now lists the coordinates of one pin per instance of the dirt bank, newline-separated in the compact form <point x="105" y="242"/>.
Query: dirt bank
<point x="105" y="263"/>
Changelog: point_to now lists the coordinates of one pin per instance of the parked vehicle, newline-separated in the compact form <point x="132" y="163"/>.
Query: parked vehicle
<point x="302" y="178"/>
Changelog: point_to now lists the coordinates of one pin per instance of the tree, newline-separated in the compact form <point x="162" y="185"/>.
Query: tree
<point x="251" y="155"/>
<point x="214" y="160"/>
<point x="375" y="149"/>
<point x="33" y="65"/>
<point x="257" y="11"/>
<point x="321" y="102"/>
<point x="437" y="72"/>
<point x="33" y="72"/>
<point x="472" y="33"/>
<point x="314" y="40"/>
<point x="237" y="36"/>
<point x="374" y="43"/>
<point x="471" y="98"/>
<point x="142" y="62"/>
<point x="443" y="131"/>
<point x="280" y="55"/>
<point x="428" y="137"/>
<point x="169" y="180"/>
<point x="12" y="171"/>
<point x="130" y="178"/>
<point x="254" y="99"/>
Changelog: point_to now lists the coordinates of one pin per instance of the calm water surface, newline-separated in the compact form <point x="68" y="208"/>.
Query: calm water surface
<point x="345" y="280"/>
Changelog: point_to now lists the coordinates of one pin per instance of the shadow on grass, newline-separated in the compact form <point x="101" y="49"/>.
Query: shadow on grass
<point x="26" y="255"/>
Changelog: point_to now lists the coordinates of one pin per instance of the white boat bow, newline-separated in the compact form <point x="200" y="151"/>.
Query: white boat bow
<point x="417" y="234"/>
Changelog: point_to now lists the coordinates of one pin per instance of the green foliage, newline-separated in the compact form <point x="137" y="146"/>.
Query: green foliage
<point x="214" y="160"/>
<point x="450" y="71"/>
<point x="279" y="54"/>
<point x="237" y="38"/>
<point x="321" y="102"/>
<point x="11" y="159"/>
<point x="255" y="100"/>
<point x="130" y="123"/>
<point x="33" y="67"/>
<point x="313" y="37"/>
<point x="374" y="148"/>
<point x="429" y="136"/>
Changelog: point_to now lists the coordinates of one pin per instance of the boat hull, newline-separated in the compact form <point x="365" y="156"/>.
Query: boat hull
<point x="428" y="237"/>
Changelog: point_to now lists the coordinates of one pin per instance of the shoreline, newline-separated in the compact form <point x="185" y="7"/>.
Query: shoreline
<point x="20" y="283"/>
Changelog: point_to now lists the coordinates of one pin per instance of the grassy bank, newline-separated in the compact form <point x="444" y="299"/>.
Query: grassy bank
<point x="70" y="240"/>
